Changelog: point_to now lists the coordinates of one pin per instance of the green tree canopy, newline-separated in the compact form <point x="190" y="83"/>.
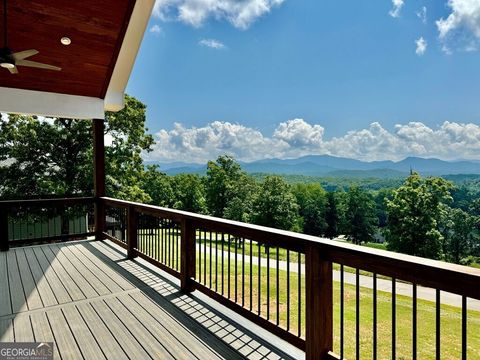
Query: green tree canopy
<point x="189" y="193"/>
<point x="221" y="183"/>
<point x="360" y="215"/>
<point x="275" y="205"/>
<point x="332" y="218"/>
<point x="414" y="215"/>
<point x="53" y="157"/>
<point x="312" y="200"/>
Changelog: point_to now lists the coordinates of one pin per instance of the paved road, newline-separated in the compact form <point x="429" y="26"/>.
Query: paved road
<point x="365" y="281"/>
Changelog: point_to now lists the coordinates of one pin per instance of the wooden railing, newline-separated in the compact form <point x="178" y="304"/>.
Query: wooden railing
<point x="24" y="222"/>
<point x="333" y="300"/>
<point x="287" y="282"/>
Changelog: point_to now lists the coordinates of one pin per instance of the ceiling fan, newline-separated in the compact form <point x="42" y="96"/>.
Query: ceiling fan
<point x="10" y="60"/>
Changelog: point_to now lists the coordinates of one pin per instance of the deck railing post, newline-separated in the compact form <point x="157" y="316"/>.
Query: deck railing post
<point x="132" y="234"/>
<point x="4" y="246"/>
<point x="188" y="256"/>
<point x="319" y="304"/>
<point x="99" y="176"/>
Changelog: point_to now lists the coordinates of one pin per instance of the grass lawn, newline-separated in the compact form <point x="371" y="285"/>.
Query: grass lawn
<point x="450" y="316"/>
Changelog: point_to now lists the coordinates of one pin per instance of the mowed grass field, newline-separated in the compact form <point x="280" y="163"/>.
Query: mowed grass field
<point x="249" y="280"/>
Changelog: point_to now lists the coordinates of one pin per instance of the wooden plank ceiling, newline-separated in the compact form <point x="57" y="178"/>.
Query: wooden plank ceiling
<point x="96" y="29"/>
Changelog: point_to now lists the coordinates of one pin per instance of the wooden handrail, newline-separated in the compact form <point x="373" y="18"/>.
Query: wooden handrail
<point x="441" y="275"/>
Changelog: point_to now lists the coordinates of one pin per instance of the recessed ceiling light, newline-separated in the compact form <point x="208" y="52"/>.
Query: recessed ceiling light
<point x="65" y="40"/>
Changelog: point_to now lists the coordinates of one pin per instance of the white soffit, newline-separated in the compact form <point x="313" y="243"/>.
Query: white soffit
<point x="114" y="98"/>
<point x="32" y="102"/>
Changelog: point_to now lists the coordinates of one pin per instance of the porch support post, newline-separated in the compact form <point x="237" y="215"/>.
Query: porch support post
<point x="319" y="304"/>
<point x="99" y="175"/>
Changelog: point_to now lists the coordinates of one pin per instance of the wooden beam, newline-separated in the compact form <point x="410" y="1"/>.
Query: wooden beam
<point x="99" y="175"/>
<point x="318" y="305"/>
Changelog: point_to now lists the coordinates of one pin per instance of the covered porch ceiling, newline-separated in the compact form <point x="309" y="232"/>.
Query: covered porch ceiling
<point x="95" y="68"/>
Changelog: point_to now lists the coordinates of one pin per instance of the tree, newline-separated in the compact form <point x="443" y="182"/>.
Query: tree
<point x="124" y="165"/>
<point x="414" y="215"/>
<point x="312" y="199"/>
<point x="48" y="157"/>
<point x="240" y="204"/>
<point x="189" y="193"/>
<point x="221" y="183"/>
<point x="275" y="205"/>
<point x="460" y="234"/>
<point x="45" y="157"/>
<point x="158" y="186"/>
<point x="360" y="215"/>
<point x="332" y="217"/>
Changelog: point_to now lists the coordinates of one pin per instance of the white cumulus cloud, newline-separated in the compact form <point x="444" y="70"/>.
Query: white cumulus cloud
<point x="294" y="138"/>
<point x="421" y="44"/>
<point x="240" y="13"/>
<point x="462" y="24"/>
<point x="211" y="43"/>
<point x="397" y="8"/>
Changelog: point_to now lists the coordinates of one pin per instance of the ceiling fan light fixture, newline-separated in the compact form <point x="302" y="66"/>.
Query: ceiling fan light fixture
<point x="65" y="41"/>
<point x="7" y="65"/>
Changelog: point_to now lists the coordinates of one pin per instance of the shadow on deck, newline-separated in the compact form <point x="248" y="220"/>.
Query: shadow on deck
<point x="93" y="303"/>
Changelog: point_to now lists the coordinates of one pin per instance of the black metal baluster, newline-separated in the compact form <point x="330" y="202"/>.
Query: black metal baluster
<point x="259" y="279"/>
<point x="205" y="257"/>
<point x="357" y="314"/>
<point x="437" y="321"/>
<point x="210" y="262"/>
<point x="464" y="328"/>
<point x="414" y="321"/>
<point x="243" y="271"/>
<point x="236" y="269"/>
<point x="277" y="287"/>
<point x="251" y="275"/>
<point x="394" y="318"/>
<point x="216" y="260"/>
<point x="199" y="255"/>
<point x="374" y="316"/>
<point x="299" y="294"/>
<point x="228" y="263"/>
<point x="223" y="272"/>
<point x="177" y="241"/>
<point x="342" y="317"/>
<point x="288" y="290"/>
<point x="268" y="281"/>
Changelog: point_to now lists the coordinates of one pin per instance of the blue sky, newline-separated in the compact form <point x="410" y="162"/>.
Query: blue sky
<point x="369" y="79"/>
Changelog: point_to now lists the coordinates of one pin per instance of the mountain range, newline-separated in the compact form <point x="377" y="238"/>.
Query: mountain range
<point x="332" y="166"/>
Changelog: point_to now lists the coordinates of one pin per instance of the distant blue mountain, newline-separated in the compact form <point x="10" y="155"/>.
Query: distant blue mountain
<point x="326" y="165"/>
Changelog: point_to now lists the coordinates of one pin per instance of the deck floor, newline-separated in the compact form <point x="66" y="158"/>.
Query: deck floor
<point x="93" y="303"/>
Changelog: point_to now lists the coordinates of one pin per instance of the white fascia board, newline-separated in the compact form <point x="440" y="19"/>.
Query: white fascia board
<point x="114" y="98"/>
<point x="19" y="101"/>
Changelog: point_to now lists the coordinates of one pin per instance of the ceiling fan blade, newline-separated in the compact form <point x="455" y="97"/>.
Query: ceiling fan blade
<point x="13" y="70"/>
<point x="24" y="54"/>
<point x="35" y="64"/>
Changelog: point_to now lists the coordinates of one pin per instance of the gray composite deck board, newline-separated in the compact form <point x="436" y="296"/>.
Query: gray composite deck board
<point x="29" y="285"/>
<point x="93" y="303"/>
<point x="58" y="289"/>
<point x="73" y="290"/>
<point x="43" y="287"/>
<point x="5" y="301"/>
<point x="17" y="296"/>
